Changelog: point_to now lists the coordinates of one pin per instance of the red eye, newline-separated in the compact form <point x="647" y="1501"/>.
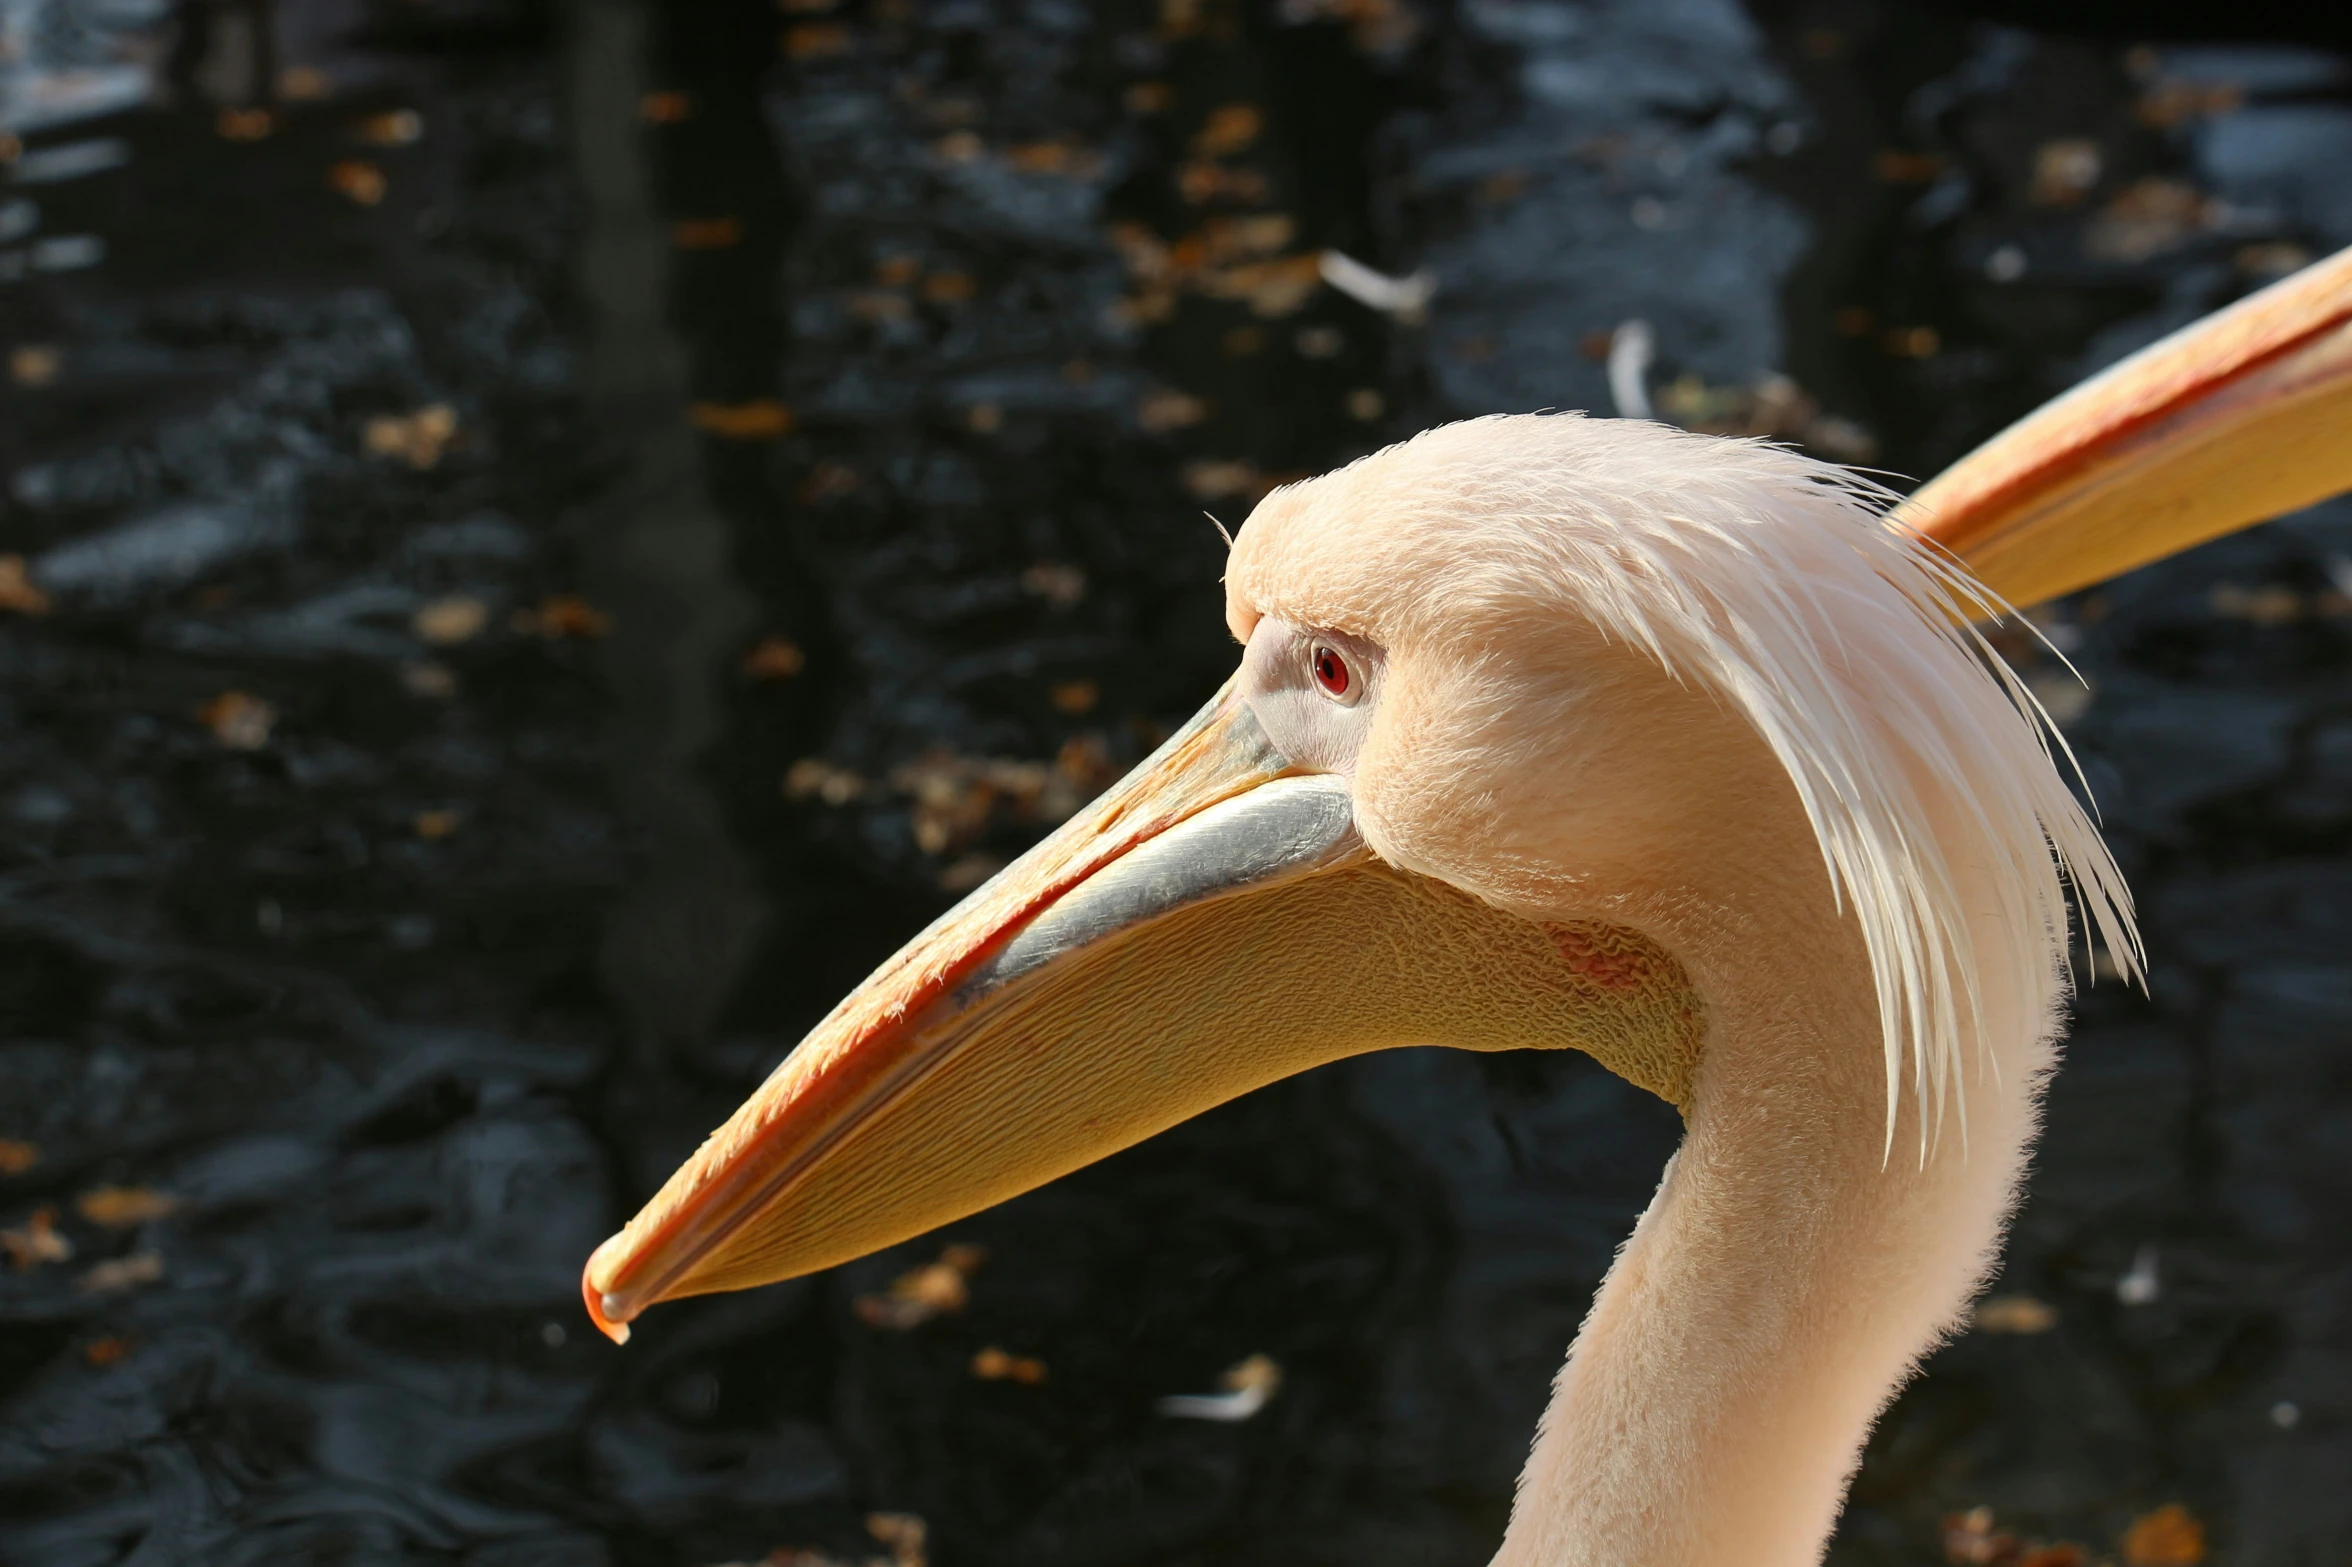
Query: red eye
<point x="1331" y="670"/>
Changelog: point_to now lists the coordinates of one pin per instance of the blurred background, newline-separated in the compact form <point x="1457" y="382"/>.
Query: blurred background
<point x="540" y="540"/>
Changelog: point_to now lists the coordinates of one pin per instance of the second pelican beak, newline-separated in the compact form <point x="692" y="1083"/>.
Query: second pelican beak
<point x="1211" y="924"/>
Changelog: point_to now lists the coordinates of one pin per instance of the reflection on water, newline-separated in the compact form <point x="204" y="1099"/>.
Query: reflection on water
<point x="539" y="545"/>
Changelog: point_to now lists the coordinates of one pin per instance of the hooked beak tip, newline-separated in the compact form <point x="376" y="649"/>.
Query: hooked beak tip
<point x="604" y="1310"/>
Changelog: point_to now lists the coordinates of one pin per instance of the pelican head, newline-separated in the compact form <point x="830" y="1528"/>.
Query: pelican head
<point x="1546" y="732"/>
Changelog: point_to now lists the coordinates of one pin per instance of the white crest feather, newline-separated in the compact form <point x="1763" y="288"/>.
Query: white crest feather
<point x="1765" y="576"/>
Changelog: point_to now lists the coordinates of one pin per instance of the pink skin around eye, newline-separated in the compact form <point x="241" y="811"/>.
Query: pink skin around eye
<point x="1331" y="671"/>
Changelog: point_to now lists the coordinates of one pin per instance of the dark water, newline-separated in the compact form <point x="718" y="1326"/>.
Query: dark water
<point x="461" y="442"/>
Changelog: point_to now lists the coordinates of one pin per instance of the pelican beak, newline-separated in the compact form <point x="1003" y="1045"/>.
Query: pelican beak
<point x="1211" y="924"/>
<point x="2228" y="422"/>
<point x="931" y="1070"/>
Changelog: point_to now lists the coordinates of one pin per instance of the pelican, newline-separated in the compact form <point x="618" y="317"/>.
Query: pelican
<point x="1560" y="732"/>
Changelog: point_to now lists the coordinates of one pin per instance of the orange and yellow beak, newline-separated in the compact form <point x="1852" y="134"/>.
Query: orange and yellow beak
<point x="2230" y="421"/>
<point x="765" y="1197"/>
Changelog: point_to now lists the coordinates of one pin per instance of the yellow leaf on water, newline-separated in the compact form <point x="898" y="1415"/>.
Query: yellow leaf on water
<point x="774" y="658"/>
<point x="120" y="1207"/>
<point x="239" y="720"/>
<point x="36" y="1241"/>
<point x="243" y="124"/>
<point x="393" y="128"/>
<point x="915" y="1297"/>
<point x="761" y="419"/>
<point x="2170" y="1536"/>
<point x="305" y="84"/>
<point x="34" y="364"/>
<point x="16" y="588"/>
<point x="2015" y="1314"/>
<point x="418" y="439"/>
<point x="359" y="182"/>
<point x="996" y="1365"/>
<point x="903" y="1535"/>
<point x="562" y="615"/>
<point x="446" y="622"/>
<point x="706" y="233"/>
<point x="1229" y="128"/>
<point x="124" y="1273"/>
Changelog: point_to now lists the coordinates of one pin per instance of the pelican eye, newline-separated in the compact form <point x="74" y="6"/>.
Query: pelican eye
<point x="1332" y="674"/>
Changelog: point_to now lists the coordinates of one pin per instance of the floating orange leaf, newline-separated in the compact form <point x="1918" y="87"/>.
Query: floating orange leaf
<point x="36" y="1241"/>
<point x="2149" y="217"/>
<point x="812" y="778"/>
<point x="665" y="108"/>
<point x="305" y="84"/>
<point x="816" y="41"/>
<point x="2020" y="1314"/>
<point x="706" y="233"/>
<point x="1970" y="1540"/>
<point x="761" y="419"/>
<point x="243" y="124"/>
<point x="1162" y="411"/>
<point x="935" y="1289"/>
<point x="2275" y="605"/>
<point x="392" y="128"/>
<point x="124" y="1273"/>
<point x="120" y="1207"/>
<point x="447" y="621"/>
<point x="1075" y="696"/>
<point x="948" y="288"/>
<point x="417" y="439"/>
<point x="903" y="1535"/>
<point x="2170" y="1536"/>
<point x="105" y="1351"/>
<point x="2064" y="171"/>
<point x="2171" y="103"/>
<point x="1229" y="128"/>
<point x="562" y="615"/>
<point x="239" y="720"/>
<point x="828" y="481"/>
<point x="1042" y="157"/>
<point x="1271" y="288"/>
<point x="1201" y="182"/>
<point x="1907" y="168"/>
<point x="1913" y="342"/>
<point x="16" y="588"/>
<point x="17" y="1157"/>
<point x="437" y="824"/>
<point x="1211" y="479"/>
<point x="34" y="364"/>
<point x="428" y="678"/>
<point x="996" y="1365"/>
<point x="1060" y="585"/>
<point x="774" y="658"/>
<point x="358" y="181"/>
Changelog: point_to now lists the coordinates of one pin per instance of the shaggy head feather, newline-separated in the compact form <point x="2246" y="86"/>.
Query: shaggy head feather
<point x="1776" y="584"/>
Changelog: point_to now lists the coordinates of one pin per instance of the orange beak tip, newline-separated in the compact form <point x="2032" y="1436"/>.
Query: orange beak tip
<point x="597" y="1302"/>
